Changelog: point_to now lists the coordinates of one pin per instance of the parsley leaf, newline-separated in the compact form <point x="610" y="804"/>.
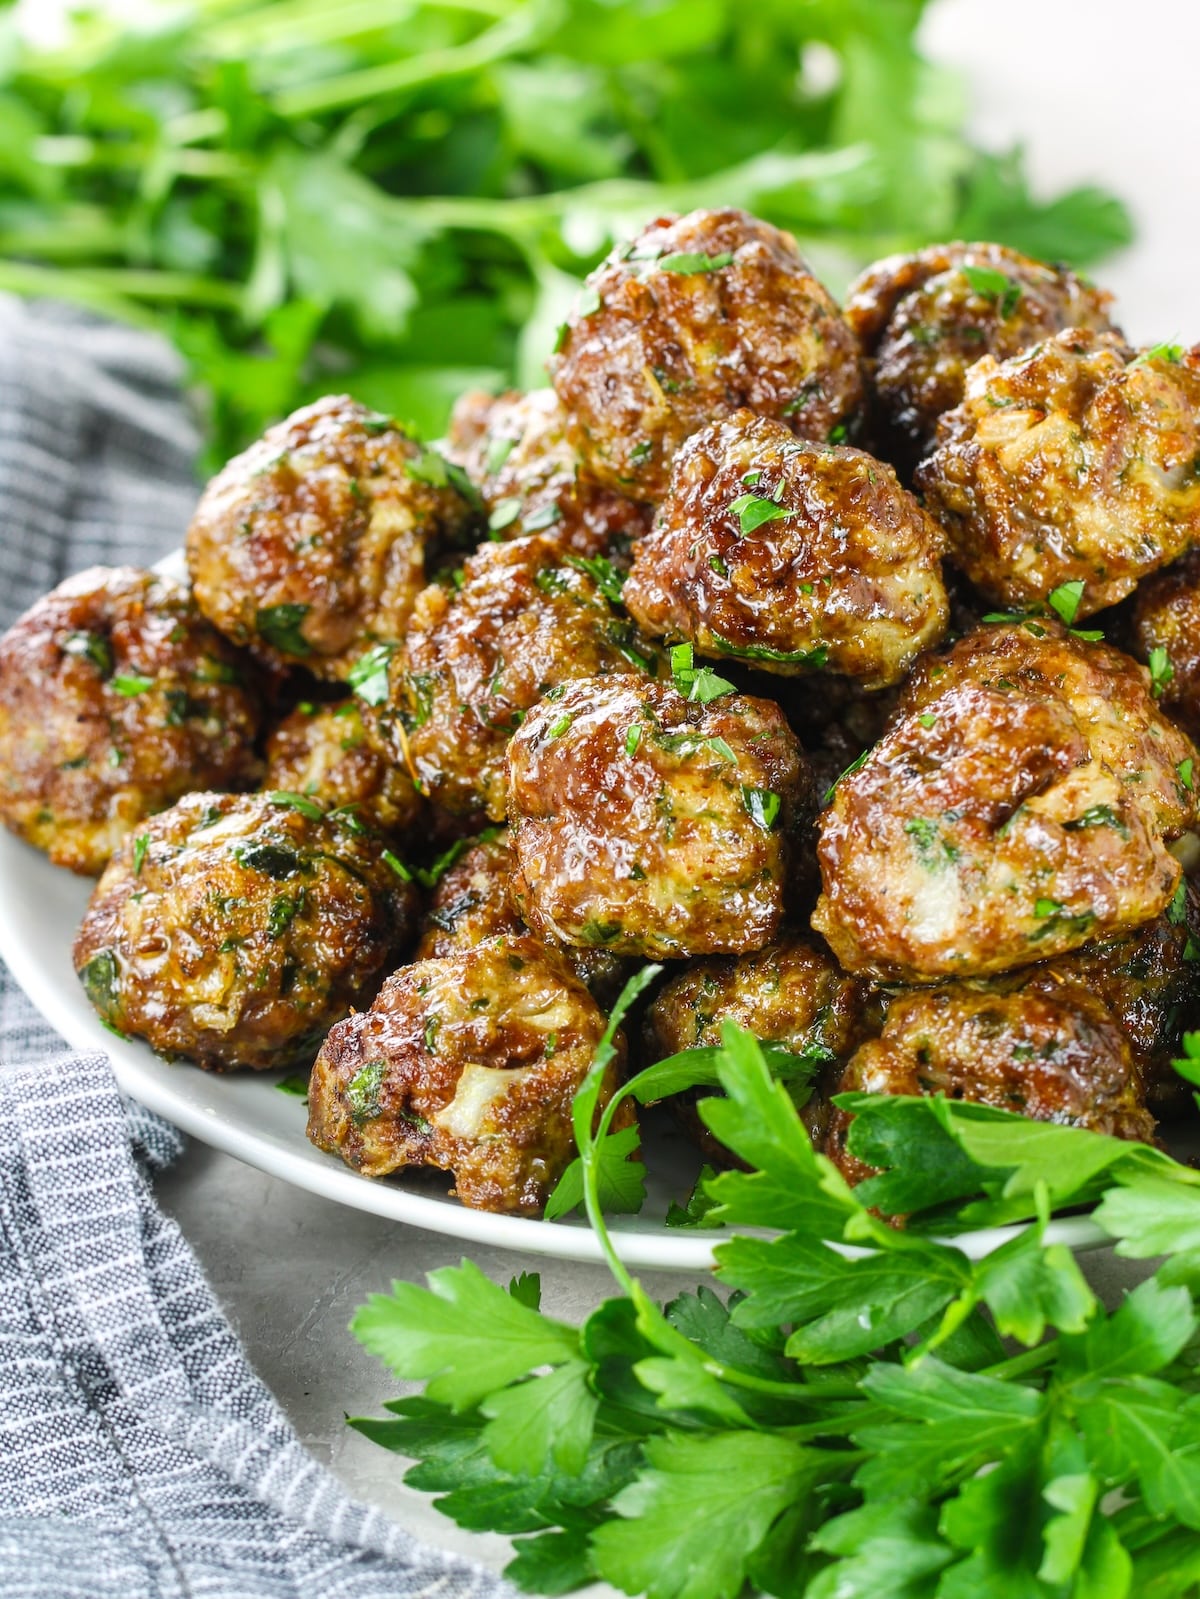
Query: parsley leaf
<point x="752" y="510"/>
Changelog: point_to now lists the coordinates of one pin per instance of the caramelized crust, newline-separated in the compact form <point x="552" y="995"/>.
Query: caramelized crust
<point x="116" y="697"/>
<point x="1072" y="463"/>
<point x="698" y="316"/>
<point x="324" y="751"/>
<point x="1167" y="617"/>
<point x="1016" y="808"/>
<point x="790" y="555"/>
<point x="467" y="1064"/>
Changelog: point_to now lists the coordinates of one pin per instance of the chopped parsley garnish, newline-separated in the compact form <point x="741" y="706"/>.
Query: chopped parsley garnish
<point x="362" y="1091"/>
<point x="430" y="876"/>
<point x="927" y="720"/>
<point x="298" y="802"/>
<point x="1161" y="670"/>
<point x="280" y="626"/>
<point x="698" y="683"/>
<point x="273" y="860"/>
<point x="689" y="262"/>
<point x="504" y="514"/>
<point x="498" y="451"/>
<point x="1184" y="773"/>
<point x="994" y="285"/>
<point x="1159" y="352"/>
<point x="641" y="452"/>
<point x="763" y="805"/>
<point x="100" y="982"/>
<point x="560" y="725"/>
<point x="131" y="684"/>
<point x="546" y="517"/>
<point x="813" y="659"/>
<point x="1177" y="909"/>
<point x="397" y="866"/>
<point x="296" y="1085"/>
<point x="1097" y="816"/>
<point x="140" y="845"/>
<point x="855" y="765"/>
<point x="1065" y="600"/>
<point x="752" y="510"/>
<point x="368" y="676"/>
<point x="633" y="737"/>
<point x="602" y="572"/>
<point x="92" y="647"/>
<point x="282" y="914"/>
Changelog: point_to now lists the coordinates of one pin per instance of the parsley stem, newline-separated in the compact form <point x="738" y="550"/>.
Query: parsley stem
<point x="1021" y="1365"/>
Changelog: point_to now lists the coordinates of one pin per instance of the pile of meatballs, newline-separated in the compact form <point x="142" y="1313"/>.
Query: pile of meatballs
<point x="847" y="661"/>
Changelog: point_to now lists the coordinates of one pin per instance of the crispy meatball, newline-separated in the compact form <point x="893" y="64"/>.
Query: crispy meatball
<point x="1072" y="463"/>
<point x="472" y="901"/>
<point x="515" y="449"/>
<point x="648" y="824"/>
<point x="1057" y="1057"/>
<point x="311" y="545"/>
<point x="791" y="555"/>
<point x="526" y="620"/>
<point x="698" y="316"/>
<point x="323" y="751"/>
<point x="116" y="697"/>
<point x="1016" y="808"/>
<point x="467" y="1064"/>
<point x="791" y="993"/>
<point x="925" y="319"/>
<point x="1167" y="618"/>
<point x="235" y="930"/>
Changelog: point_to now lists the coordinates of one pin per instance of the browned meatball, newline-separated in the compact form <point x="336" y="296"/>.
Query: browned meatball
<point x="648" y="824"/>
<point x="526" y="620"/>
<point x="235" y="930"/>
<point x="791" y="555"/>
<point x="116" y="697"/>
<point x="1015" y="809"/>
<point x="1166" y="628"/>
<point x="323" y="751"/>
<point x="1073" y="463"/>
<point x="925" y="319"/>
<point x="1057" y="1057"/>
<point x="515" y="449"/>
<point x="697" y="316"/>
<point x="791" y="994"/>
<point x="311" y="545"/>
<point x="467" y="1064"/>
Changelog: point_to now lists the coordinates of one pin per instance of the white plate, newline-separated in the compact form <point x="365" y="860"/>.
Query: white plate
<point x="246" y="1115"/>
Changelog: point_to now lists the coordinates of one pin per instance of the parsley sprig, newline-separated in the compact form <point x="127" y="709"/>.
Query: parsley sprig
<point x="848" y="1421"/>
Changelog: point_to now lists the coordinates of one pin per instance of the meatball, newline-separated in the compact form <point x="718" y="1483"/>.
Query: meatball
<point x="791" y="555"/>
<point x="923" y="320"/>
<point x="116" y="697"/>
<point x="235" y="930"/>
<point x="528" y="618"/>
<point x="515" y="449"/>
<point x="468" y="1064"/>
<point x="649" y="824"/>
<point x="1015" y="809"/>
<point x="1070" y="464"/>
<point x="311" y="546"/>
<point x="324" y="751"/>
<point x="697" y="316"/>
<point x="791" y="994"/>
<point x="1166" y="628"/>
<point x="1057" y="1057"/>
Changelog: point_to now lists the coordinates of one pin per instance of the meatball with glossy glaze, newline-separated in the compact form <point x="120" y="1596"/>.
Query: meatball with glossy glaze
<point x="1056" y="1057"/>
<point x="528" y="618"/>
<point x="311" y="545"/>
<point x="925" y="319"/>
<point x="698" y="316"/>
<point x="515" y="449"/>
<point x="116" y="697"/>
<point x="235" y="930"/>
<point x="324" y="751"/>
<point x="1016" y="808"/>
<point x="1071" y="464"/>
<point x="790" y="555"/>
<point x="648" y="824"/>
<point x="467" y="1064"/>
<point x="1166" y="630"/>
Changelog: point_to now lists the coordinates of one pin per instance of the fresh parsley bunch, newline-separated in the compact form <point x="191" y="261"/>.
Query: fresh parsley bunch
<point x="399" y="200"/>
<point x="869" y="1412"/>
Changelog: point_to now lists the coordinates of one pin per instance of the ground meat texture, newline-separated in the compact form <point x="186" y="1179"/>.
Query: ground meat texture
<point x="791" y="994"/>
<point x="1073" y="463"/>
<point x="647" y="824"/>
<point x="116" y="697"/>
<point x="925" y="319"/>
<point x="467" y="1064"/>
<point x="1056" y="1057"/>
<point x="790" y="555"/>
<point x="1015" y="809"/>
<point x="699" y="316"/>
<point x="526" y="620"/>
<point x="324" y="751"/>
<point x="472" y="901"/>
<point x="234" y="931"/>
<point x="1166" y="630"/>
<point x="311" y="546"/>
<point x="515" y="450"/>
